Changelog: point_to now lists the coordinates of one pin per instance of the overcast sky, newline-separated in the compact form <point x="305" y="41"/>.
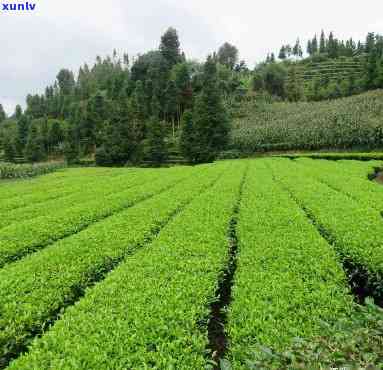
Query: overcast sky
<point x="67" y="33"/>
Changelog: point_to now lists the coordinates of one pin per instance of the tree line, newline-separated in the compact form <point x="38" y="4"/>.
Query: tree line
<point x="131" y="111"/>
<point x="281" y="77"/>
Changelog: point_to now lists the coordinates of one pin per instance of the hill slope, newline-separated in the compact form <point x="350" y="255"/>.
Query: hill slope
<point x="347" y="123"/>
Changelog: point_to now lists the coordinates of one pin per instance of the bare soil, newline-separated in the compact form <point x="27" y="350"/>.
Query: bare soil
<point x="379" y="178"/>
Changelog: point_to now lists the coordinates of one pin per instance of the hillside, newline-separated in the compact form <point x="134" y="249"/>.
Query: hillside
<point x="353" y="122"/>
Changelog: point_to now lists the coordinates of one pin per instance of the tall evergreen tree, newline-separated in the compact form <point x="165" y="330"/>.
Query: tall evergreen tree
<point x="309" y="48"/>
<point x="18" y="112"/>
<point x="34" y="149"/>
<point x="187" y="138"/>
<point x="314" y="45"/>
<point x="210" y="120"/>
<point x="3" y="116"/>
<point x="22" y="134"/>
<point x="228" y="55"/>
<point x="171" y="108"/>
<point x="322" y="43"/>
<point x="157" y="151"/>
<point x="170" y="47"/>
<point x="282" y="53"/>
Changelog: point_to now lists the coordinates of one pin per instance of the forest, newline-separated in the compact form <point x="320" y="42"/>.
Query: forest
<point x="164" y="107"/>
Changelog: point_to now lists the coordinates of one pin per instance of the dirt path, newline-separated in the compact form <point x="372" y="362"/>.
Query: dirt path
<point x="379" y="178"/>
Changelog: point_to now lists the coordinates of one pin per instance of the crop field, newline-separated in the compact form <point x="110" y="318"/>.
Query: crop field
<point x="218" y="266"/>
<point x="347" y="124"/>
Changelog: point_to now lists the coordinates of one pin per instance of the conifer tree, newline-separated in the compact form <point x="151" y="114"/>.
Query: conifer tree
<point x="22" y="134"/>
<point x="322" y="43"/>
<point x="170" y="47"/>
<point x="34" y="149"/>
<point x="210" y="120"/>
<point x="314" y="45"/>
<point x="171" y="108"/>
<point x="157" y="151"/>
<point x="3" y="116"/>
<point x="282" y="53"/>
<point x="187" y="139"/>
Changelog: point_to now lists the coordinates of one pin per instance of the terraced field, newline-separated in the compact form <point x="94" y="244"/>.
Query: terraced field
<point x="216" y="266"/>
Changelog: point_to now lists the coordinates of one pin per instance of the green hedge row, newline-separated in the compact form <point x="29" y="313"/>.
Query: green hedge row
<point x="288" y="278"/>
<point x="151" y="311"/>
<point x="24" y="237"/>
<point x="34" y="289"/>
<point x="19" y="171"/>
<point x="354" y="227"/>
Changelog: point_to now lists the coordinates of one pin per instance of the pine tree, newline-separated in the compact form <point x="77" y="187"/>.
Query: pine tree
<point x="228" y="55"/>
<point x="3" y="116"/>
<point x="210" y="120"/>
<point x="182" y="80"/>
<point x="171" y="108"/>
<point x="22" y="134"/>
<point x="322" y="43"/>
<point x="187" y="139"/>
<point x="117" y="146"/>
<point x="282" y="53"/>
<point x="309" y="48"/>
<point x="314" y="45"/>
<point x="34" y="149"/>
<point x="9" y="149"/>
<point x="72" y="145"/>
<point x="170" y="47"/>
<point x="18" y="112"/>
<point x="157" y="151"/>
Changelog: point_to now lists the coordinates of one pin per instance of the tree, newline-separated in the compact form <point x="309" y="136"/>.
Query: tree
<point x="156" y="151"/>
<point x="66" y="81"/>
<point x="210" y="120"/>
<point x="314" y="45"/>
<point x="34" y="149"/>
<point x="228" y="55"/>
<point x="294" y="90"/>
<point x="18" y="112"/>
<point x="96" y="114"/>
<point x="187" y="139"/>
<point x="117" y="146"/>
<point x="322" y="43"/>
<point x="170" y="47"/>
<point x="9" y="150"/>
<point x="274" y="79"/>
<point x="182" y="80"/>
<point x="332" y="46"/>
<point x="297" y="50"/>
<point x="22" y="134"/>
<point x="55" y="135"/>
<point x="282" y="53"/>
<point x="309" y="48"/>
<point x="171" y="107"/>
<point x="3" y="115"/>
<point x="72" y="145"/>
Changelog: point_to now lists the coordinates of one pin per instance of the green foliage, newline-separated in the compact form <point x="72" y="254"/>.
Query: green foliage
<point x="156" y="147"/>
<point x="228" y="55"/>
<point x="187" y="139"/>
<point x="3" y="116"/>
<point x="19" y="171"/>
<point x="286" y="287"/>
<point x="353" y="343"/>
<point x="170" y="47"/>
<point x="34" y="148"/>
<point x="210" y="121"/>
<point x="165" y="304"/>
<point x="353" y="122"/>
